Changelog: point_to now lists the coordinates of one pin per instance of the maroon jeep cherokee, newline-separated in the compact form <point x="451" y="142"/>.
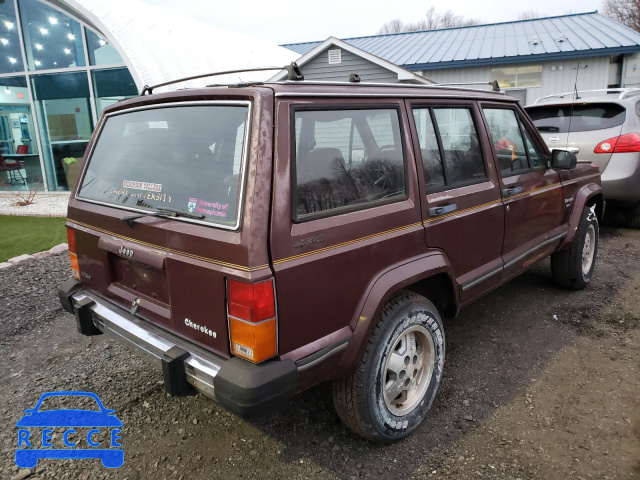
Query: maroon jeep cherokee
<point x="255" y="240"/>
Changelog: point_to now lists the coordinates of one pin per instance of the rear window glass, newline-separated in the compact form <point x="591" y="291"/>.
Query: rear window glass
<point x="188" y="158"/>
<point x="582" y="118"/>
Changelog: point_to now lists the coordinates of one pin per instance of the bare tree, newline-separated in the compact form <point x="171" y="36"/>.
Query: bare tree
<point x="450" y="20"/>
<point x="626" y="12"/>
<point x="393" y="26"/>
<point x="433" y="20"/>
<point x="529" y="14"/>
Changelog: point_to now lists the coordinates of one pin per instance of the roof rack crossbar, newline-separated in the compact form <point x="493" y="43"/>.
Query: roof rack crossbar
<point x="493" y="84"/>
<point x="149" y="89"/>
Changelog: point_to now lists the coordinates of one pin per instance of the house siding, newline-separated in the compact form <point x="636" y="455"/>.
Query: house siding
<point x="557" y="76"/>
<point x="319" y="68"/>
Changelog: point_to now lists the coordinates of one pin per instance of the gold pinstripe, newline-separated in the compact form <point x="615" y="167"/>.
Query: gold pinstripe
<point x="332" y="247"/>
<point x="500" y="200"/>
<point x="169" y="250"/>
<point x="580" y="179"/>
<point x="466" y="210"/>
<point x="344" y="244"/>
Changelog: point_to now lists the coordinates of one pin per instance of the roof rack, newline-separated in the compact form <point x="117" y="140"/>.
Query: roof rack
<point x="493" y="84"/>
<point x="293" y="73"/>
<point x="620" y="92"/>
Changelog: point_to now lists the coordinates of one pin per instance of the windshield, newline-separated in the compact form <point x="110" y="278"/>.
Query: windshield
<point x="580" y="118"/>
<point x="188" y="158"/>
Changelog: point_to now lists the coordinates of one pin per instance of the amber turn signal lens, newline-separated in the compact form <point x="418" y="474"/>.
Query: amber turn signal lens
<point x="75" y="269"/>
<point x="254" y="341"/>
<point x="73" y="258"/>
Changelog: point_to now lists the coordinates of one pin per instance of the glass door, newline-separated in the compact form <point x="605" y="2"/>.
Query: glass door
<point x="63" y="109"/>
<point x="6" y="140"/>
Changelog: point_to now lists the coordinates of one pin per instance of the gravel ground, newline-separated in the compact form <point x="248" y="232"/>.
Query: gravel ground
<point x="539" y="383"/>
<point x="45" y="204"/>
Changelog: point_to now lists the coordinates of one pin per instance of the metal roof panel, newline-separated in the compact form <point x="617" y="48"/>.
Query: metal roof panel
<point x="518" y="41"/>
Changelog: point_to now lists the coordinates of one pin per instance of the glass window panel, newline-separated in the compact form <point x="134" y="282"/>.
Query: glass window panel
<point x="100" y="51"/>
<point x="507" y="140"/>
<point x="64" y="113"/>
<point x="429" y="150"/>
<point x="112" y="86"/>
<point x="186" y="158"/>
<point x="506" y="77"/>
<point x="17" y="136"/>
<point x="529" y="76"/>
<point x="339" y="165"/>
<point x="461" y="148"/>
<point x="577" y="118"/>
<point x="535" y="158"/>
<point x="380" y="126"/>
<point x="10" y="54"/>
<point x="52" y="40"/>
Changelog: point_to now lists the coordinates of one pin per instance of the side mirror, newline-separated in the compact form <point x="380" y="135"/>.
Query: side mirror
<point x="563" y="160"/>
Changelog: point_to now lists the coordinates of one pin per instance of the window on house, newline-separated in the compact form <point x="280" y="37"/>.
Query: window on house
<point x="508" y="77"/>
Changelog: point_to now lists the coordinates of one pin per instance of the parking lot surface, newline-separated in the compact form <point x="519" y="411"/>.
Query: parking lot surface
<point x="539" y="383"/>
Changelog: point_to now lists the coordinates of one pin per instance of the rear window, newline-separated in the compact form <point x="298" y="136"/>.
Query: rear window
<point x="188" y="158"/>
<point x="580" y="118"/>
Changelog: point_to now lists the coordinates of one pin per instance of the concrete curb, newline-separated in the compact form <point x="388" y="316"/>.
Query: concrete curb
<point x="30" y="214"/>
<point x="45" y="204"/>
<point x="63" y="247"/>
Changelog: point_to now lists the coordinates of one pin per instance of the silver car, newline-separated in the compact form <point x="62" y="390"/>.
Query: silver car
<point x="600" y="127"/>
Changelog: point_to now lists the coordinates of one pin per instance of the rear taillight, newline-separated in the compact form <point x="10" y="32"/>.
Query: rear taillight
<point x="251" y="312"/>
<point x="73" y="258"/>
<point x="629" y="142"/>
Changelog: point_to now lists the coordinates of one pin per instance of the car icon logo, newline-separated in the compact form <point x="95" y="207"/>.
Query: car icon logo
<point x="554" y="139"/>
<point x="35" y="433"/>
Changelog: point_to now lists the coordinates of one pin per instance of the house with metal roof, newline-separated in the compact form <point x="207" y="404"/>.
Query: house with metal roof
<point x="528" y="58"/>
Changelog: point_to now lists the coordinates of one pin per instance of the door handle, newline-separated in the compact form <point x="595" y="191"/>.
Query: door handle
<point x="435" y="211"/>
<point x="507" y="192"/>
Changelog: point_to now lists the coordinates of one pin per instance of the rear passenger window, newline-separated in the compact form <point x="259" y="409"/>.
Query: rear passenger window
<point x="577" y="118"/>
<point x="513" y="145"/>
<point x="346" y="160"/>
<point x="449" y="146"/>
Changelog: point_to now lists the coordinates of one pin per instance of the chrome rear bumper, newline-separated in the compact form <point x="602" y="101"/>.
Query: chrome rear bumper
<point x="240" y="386"/>
<point x="153" y="346"/>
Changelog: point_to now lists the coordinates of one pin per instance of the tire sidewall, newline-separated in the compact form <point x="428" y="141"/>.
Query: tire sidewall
<point x="404" y="316"/>
<point x="589" y="218"/>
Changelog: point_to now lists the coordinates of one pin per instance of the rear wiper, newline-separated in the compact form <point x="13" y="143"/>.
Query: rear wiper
<point x="548" y="128"/>
<point x="162" y="212"/>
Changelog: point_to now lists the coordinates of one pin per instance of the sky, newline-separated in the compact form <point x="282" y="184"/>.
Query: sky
<point x="287" y="21"/>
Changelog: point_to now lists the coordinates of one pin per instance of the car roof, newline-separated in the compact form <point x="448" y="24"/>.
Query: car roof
<point x="369" y="89"/>
<point x="622" y="96"/>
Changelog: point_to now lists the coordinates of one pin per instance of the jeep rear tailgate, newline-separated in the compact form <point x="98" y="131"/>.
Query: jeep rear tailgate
<point x="170" y="267"/>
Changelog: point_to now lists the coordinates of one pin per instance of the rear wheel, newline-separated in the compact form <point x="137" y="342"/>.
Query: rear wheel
<point x="397" y="376"/>
<point x="573" y="268"/>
